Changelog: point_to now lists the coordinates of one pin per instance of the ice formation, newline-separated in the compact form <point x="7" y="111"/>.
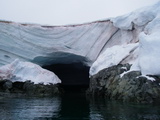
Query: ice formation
<point x="147" y="60"/>
<point x="46" y="45"/>
<point x="26" y="71"/>
<point x="132" y="38"/>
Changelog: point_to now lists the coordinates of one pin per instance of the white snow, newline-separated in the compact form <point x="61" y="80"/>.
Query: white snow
<point x="112" y="56"/>
<point x="139" y="17"/>
<point x="125" y="68"/>
<point x="148" y="78"/>
<point x="149" y="47"/>
<point x="23" y="71"/>
<point x="147" y="59"/>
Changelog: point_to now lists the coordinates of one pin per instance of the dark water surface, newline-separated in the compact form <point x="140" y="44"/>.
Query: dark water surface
<point x="74" y="106"/>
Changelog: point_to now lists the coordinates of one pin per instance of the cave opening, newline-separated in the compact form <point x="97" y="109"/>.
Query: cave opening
<point x="74" y="76"/>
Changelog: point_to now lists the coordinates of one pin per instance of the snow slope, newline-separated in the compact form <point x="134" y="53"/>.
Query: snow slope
<point x="112" y="56"/>
<point x="23" y="71"/>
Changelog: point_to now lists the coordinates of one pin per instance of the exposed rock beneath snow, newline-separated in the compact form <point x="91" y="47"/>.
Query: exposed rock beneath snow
<point x="132" y="87"/>
<point x="26" y="71"/>
<point x="25" y="78"/>
<point x="106" y="72"/>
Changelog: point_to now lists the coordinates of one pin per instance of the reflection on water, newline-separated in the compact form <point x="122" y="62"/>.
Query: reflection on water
<point x="113" y="110"/>
<point x="29" y="109"/>
<point x="74" y="107"/>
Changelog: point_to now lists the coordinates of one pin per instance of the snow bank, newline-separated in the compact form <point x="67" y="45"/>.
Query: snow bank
<point x="148" y="61"/>
<point x="149" y="46"/>
<point x="112" y="56"/>
<point x="22" y="71"/>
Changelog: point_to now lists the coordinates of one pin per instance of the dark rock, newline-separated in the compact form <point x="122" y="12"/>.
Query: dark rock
<point x="105" y="78"/>
<point x="40" y="89"/>
<point x="131" y="87"/>
<point x="18" y="85"/>
<point x="7" y="85"/>
<point x="8" y="89"/>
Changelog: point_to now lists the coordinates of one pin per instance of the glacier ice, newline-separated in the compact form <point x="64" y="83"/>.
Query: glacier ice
<point x="134" y="37"/>
<point x="45" y="45"/>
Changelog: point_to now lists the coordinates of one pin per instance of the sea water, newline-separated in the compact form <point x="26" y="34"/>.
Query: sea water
<point x="75" y="106"/>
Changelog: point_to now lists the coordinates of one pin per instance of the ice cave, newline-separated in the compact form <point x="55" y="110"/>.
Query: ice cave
<point x="75" y="52"/>
<point x="73" y="76"/>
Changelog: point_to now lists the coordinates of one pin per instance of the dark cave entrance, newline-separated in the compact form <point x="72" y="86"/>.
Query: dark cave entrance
<point x="74" y="77"/>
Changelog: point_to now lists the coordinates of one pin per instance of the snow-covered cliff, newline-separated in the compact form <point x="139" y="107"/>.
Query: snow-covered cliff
<point x="45" y="45"/>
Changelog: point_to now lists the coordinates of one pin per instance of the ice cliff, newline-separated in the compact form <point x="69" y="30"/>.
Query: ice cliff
<point x="132" y="38"/>
<point x="46" y="45"/>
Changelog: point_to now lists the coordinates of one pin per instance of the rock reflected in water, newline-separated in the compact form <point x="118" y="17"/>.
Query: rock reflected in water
<point x="75" y="106"/>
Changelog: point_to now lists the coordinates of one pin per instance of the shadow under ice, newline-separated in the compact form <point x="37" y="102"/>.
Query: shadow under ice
<point x="74" y="77"/>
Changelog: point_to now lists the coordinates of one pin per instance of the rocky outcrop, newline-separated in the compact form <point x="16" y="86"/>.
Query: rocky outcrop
<point x="28" y="88"/>
<point x="27" y="79"/>
<point x="105" y="72"/>
<point x="130" y="87"/>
